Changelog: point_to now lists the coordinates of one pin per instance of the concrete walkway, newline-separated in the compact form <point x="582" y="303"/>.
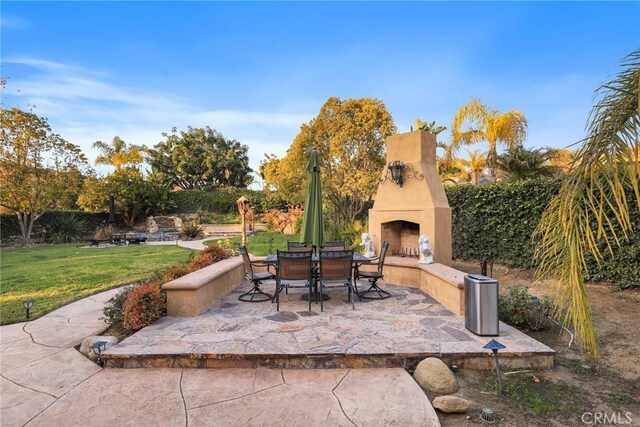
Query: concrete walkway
<point x="44" y="381"/>
<point x="190" y="244"/>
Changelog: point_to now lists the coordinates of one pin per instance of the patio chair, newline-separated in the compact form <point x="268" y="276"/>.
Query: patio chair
<point x="336" y="271"/>
<point x="373" y="277"/>
<point x="295" y="270"/>
<point x="297" y="245"/>
<point x="255" y="294"/>
<point x="334" y="246"/>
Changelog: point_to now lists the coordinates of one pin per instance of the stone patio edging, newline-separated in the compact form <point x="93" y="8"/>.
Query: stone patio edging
<point x="190" y="295"/>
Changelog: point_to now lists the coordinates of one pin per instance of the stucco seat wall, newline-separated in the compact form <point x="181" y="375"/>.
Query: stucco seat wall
<point x="443" y="283"/>
<point x="192" y="294"/>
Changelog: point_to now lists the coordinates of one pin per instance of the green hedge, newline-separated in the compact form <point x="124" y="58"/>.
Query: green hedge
<point x="9" y="226"/>
<point x="495" y="222"/>
<point x="223" y="200"/>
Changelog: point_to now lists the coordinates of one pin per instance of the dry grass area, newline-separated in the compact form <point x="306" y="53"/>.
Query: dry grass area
<point x="577" y="385"/>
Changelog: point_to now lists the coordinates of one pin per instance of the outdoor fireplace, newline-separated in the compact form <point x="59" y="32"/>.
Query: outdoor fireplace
<point x="402" y="237"/>
<point x="410" y="200"/>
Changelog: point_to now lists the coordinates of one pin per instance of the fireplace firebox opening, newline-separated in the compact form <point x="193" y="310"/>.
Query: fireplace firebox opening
<point x="402" y="237"/>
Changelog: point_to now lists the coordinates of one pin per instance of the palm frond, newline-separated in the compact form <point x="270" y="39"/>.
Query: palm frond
<point x="469" y="123"/>
<point x="593" y="199"/>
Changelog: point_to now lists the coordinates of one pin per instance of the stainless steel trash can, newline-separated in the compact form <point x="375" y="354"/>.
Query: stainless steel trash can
<point x="481" y="305"/>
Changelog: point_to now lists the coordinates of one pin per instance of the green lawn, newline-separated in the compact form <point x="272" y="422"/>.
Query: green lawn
<point x="55" y="275"/>
<point x="262" y="243"/>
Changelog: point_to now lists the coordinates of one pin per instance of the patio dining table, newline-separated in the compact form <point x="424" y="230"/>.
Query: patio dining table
<point x="272" y="259"/>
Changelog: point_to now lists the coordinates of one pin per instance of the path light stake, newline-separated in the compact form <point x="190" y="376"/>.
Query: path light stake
<point x="28" y="303"/>
<point x="494" y="346"/>
<point x="98" y="347"/>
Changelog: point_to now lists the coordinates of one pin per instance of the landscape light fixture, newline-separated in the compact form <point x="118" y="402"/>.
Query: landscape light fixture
<point x="487" y="415"/>
<point x="494" y="346"/>
<point x="98" y="347"/>
<point x="395" y="168"/>
<point x="28" y="303"/>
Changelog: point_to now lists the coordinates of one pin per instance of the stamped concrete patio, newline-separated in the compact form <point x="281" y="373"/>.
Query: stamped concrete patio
<point x="397" y="332"/>
<point x="46" y="382"/>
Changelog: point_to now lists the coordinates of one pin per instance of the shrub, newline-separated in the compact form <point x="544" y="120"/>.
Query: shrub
<point x="9" y="226"/>
<point x="105" y="231"/>
<point x="223" y="200"/>
<point x="113" y="309"/>
<point x="495" y="223"/>
<point x="191" y="231"/>
<point x="144" y="305"/>
<point x="522" y="310"/>
<point x="208" y="256"/>
<point x="67" y="228"/>
<point x="230" y="246"/>
<point x="173" y="273"/>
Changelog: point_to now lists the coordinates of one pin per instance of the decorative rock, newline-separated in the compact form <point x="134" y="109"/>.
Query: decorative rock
<point x="434" y="375"/>
<point x="85" y="347"/>
<point x="451" y="404"/>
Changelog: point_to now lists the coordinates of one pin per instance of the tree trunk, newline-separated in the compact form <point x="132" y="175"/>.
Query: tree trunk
<point x="491" y="164"/>
<point x="26" y="219"/>
<point x="483" y="267"/>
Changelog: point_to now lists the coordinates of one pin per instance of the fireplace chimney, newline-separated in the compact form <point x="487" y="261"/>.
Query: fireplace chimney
<point x="411" y="201"/>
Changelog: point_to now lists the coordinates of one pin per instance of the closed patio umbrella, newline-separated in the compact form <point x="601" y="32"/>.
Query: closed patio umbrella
<point x="312" y="221"/>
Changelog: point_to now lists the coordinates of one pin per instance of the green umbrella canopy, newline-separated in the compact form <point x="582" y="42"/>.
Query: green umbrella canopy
<point x="312" y="221"/>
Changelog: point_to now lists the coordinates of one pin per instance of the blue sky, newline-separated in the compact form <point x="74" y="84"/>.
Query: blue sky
<point x="257" y="71"/>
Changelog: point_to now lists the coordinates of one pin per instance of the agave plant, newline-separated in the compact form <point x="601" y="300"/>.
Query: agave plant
<point x="593" y="203"/>
<point x="67" y="228"/>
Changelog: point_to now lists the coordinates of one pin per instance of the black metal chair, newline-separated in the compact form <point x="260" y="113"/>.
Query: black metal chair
<point x="334" y="246"/>
<point x="255" y="294"/>
<point x="373" y="277"/>
<point x="336" y="271"/>
<point x="295" y="270"/>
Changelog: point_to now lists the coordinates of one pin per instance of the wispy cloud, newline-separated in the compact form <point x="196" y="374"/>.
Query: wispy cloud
<point x="84" y="105"/>
<point x="13" y="22"/>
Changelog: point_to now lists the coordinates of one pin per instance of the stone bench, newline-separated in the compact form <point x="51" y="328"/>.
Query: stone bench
<point x="192" y="294"/>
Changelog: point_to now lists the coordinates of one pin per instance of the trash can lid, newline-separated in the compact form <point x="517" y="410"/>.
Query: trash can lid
<point x="480" y="278"/>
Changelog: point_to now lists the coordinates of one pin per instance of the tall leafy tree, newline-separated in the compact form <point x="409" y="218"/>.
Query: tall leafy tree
<point x="474" y="122"/>
<point x="199" y="158"/>
<point x="349" y="135"/>
<point x="118" y="153"/>
<point x="39" y="170"/>
<point x="596" y="199"/>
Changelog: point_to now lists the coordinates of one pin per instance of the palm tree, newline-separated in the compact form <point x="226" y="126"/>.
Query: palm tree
<point x="117" y="153"/>
<point x="595" y="199"/>
<point x="562" y="158"/>
<point x="520" y="163"/>
<point x="473" y="168"/>
<point x="484" y="124"/>
<point x="447" y="164"/>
